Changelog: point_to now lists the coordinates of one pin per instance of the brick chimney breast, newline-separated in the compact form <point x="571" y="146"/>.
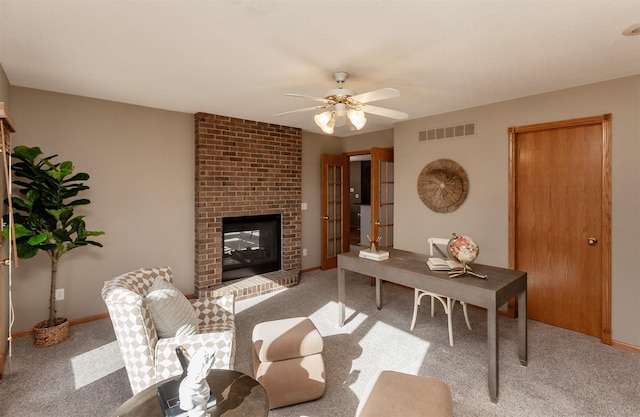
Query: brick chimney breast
<point x="242" y="168"/>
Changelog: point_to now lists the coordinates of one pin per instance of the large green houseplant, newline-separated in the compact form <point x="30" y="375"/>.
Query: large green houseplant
<point x="43" y="215"/>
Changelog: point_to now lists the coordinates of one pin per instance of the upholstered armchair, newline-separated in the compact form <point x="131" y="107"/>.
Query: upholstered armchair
<point x="136" y="317"/>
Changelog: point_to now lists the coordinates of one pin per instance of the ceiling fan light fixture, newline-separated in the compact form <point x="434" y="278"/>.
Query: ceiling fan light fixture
<point x="357" y="118"/>
<point x="322" y="118"/>
<point x="348" y="107"/>
<point x="325" y="121"/>
<point x="328" y="129"/>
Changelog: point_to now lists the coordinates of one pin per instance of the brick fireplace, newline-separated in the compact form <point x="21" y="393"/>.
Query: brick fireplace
<point x="245" y="168"/>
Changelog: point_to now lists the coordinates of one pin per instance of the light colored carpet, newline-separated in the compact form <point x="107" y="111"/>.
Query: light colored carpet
<point x="569" y="374"/>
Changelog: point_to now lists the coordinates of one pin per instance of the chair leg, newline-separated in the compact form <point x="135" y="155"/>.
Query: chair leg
<point x="416" y="303"/>
<point x="450" y="304"/>
<point x="466" y="317"/>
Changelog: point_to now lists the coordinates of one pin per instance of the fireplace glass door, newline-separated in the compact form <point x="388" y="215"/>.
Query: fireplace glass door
<point x="251" y="245"/>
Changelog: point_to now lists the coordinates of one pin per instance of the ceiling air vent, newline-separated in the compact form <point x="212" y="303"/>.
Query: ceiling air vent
<point x="447" y="132"/>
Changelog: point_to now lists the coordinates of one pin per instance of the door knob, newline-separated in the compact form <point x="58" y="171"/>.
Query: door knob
<point x="377" y="223"/>
<point x="324" y="218"/>
<point x="592" y="241"/>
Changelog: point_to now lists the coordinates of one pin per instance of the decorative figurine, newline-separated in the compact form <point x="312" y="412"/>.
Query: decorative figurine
<point x="194" y="388"/>
<point x="373" y="243"/>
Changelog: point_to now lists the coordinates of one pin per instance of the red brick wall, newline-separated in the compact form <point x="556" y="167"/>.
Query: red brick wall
<point x="244" y="168"/>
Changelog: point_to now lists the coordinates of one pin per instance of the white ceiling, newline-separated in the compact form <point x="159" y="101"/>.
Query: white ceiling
<point x="239" y="57"/>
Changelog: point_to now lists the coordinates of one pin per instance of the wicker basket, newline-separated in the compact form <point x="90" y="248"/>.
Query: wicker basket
<point x="49" y="336"/>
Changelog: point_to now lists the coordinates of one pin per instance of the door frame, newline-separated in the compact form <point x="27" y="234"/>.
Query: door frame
<point x="325" y="261"/>
<point x="605" y="209"/>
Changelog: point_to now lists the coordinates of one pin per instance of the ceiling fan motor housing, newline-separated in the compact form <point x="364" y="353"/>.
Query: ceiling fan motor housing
<point x="340" y="76"/>
<point x="339" y="95"/>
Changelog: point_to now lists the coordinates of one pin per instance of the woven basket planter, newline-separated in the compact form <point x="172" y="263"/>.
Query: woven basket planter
<point x="49" y="336"/>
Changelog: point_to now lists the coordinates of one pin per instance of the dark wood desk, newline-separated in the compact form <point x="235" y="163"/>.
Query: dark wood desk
<point x="237" y="394"/>
<point x="410" y="269"/>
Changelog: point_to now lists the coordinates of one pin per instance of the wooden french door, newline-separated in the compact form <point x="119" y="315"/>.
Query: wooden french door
<point x="559" y="221"/>
<point x="382" y="195"/>
<point x="334" y="214"/>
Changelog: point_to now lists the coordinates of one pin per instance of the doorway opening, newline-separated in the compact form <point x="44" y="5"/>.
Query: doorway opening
<point x="359" y="200"/>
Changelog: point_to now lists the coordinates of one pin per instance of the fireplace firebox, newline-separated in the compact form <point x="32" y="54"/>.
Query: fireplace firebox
<point x="252" y="245"/>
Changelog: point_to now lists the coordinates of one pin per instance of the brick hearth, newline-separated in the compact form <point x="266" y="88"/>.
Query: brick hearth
<point x="245" y="168"/>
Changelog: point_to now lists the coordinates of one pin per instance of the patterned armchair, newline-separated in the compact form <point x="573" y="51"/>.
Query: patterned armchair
<point x="148" y="358"/>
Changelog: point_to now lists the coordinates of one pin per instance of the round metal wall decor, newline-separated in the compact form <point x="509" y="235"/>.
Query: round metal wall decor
<point x="443" y="185"/>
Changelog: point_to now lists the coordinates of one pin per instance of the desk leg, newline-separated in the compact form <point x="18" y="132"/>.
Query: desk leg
<point x="341" y="291"/>
<point x="378" y="293"/>
<point x="492" y="347"/>
<point x="522" y="327"/>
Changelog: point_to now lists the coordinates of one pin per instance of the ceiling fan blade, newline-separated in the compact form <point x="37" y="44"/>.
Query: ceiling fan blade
<point x="324" y="100"/>
<point x="381" y="111"/>
<point x="302" y="110"/>
<point x="375" y="95"/>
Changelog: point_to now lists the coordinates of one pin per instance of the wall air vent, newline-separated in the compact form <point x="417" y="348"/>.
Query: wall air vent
<point x="447" y="132"/>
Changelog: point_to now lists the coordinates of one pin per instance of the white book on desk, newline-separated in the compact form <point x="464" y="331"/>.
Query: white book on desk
<point x="380" y="255"/>
<point x="439" y="264"/>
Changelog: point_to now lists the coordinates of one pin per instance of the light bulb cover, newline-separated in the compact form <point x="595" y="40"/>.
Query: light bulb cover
<point x="322" y="119"/>
<point x="328" y="129"/>
<point x="325" y="121"/>
<point x="357" y="118"/>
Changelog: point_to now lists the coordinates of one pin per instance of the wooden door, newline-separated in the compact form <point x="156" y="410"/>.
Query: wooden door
<point x="334" y="213"/>
<point x="382" y="195"/>
<point x="559" y="221"/>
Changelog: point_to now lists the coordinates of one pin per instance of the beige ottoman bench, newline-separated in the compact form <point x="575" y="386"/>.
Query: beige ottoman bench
<point x="397" y="394"/>
<point x="287" y="360"/>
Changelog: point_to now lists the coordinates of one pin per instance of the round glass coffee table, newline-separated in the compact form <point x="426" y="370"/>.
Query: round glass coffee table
<point x="237" y="395"/>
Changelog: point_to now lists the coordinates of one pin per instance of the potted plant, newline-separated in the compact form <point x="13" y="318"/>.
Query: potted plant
<point x="44" y="220"/>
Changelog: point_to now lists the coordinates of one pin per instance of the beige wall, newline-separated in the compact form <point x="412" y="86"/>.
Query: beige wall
<point x="4" y="88"/>
<point x="141" y="163"/>
<point x="484" y="215"/>
<point x="366" y="141"/>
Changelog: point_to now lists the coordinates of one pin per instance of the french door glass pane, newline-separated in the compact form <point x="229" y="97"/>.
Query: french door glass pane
<point x="386" y="203"/>
<point x="334" y="210"/>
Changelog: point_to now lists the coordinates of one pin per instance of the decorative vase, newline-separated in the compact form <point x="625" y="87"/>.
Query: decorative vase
<point x="49" y="336"/>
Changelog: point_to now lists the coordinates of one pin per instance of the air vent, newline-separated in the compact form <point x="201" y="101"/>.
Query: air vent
<point x="447" y="132"/>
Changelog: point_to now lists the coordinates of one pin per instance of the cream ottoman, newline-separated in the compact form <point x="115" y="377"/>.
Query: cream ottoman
<point x="287" y="360"/>
<point x="396" y="394"/>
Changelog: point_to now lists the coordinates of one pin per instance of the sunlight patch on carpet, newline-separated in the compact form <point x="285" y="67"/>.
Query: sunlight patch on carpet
<point x="95" y="364"/>
<point x="398" y="344"/>
<point x="326" y="319"/>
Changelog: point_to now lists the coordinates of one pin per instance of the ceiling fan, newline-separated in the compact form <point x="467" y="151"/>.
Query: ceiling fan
<point x="341" y="104"/>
